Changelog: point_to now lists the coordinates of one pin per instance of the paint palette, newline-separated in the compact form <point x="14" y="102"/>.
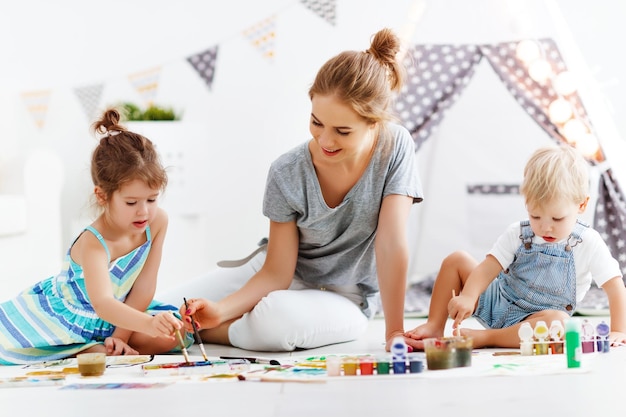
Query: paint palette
<point x="210" y="367"/>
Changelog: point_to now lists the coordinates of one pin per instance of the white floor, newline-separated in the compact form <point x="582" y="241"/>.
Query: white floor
<point x="543" y="386"/>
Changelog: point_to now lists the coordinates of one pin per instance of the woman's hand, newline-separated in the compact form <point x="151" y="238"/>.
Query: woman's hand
<point x="115" y="347"/>
<point x="393" y="336"/>
<point x="617" y="338"/>
<point x="204" y="312"/>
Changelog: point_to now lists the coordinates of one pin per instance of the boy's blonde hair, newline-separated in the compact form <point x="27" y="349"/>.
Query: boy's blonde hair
<point x="555" y="173"/>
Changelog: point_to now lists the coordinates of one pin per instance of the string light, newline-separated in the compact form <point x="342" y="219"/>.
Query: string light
<point x="527" y="51"/>
<point x="573" y="130"/>
<point x="560" y="111"/>
<point x="565" y="83"/>
<point x="540" y="70"/>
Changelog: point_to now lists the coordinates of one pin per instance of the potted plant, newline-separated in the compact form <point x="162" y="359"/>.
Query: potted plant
<point x="133" y="113"/>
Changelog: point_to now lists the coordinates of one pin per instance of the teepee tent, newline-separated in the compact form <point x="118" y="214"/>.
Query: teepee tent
<point x="476" y="112"/>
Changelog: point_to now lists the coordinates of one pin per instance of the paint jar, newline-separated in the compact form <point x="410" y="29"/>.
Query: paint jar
<point x="526" y="348"/>
<point x="382" y="365"/>
<point x="333" y="365"/>
<point x="556" y="347"/>
<point x="463" y="351"/>
<point x="91" y="364"/>
<point x="416" y="363"/>
<point x="557" y="332"/>
<point x="541" y="348"/>
<point x="399" y="366"/>
<point x="350" y="365"/>
<point x="440" y="353"/>
<point x="573" y="350"/>
<point x="366" y="365"/>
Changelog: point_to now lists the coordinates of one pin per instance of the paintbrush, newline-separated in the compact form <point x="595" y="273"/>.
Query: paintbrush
<point x="457" y="331"/>
<point x="196" y="334"/>
<point x="182" y="343"/>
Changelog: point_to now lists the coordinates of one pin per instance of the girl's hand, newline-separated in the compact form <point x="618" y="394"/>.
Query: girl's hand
<point x="164" y="325"/>
<point x="204" y="312"/>
<point x="115" y="347"/>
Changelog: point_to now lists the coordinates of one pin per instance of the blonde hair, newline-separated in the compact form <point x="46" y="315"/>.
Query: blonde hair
<point x="365" y="80"/>
<point x="555" y="173"/>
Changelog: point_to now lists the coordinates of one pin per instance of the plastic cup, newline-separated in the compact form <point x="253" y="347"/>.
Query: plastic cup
<point x="382" y="365"/>
<point x="333" y="365"/>
<point x="440" y="353"/>
<point x="350" y="365"/>
<point x="463" y="354"/>
<point x="366" y="365"/>
<point x="91" y="364"/>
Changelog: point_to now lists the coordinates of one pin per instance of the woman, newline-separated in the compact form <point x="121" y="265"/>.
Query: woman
<point x="338" y="206"/>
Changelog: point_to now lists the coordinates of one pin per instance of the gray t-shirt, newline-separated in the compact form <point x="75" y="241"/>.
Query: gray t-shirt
<point x="337" y="244"/>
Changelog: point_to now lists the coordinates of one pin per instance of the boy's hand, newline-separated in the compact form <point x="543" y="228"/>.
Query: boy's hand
<point x="460" y="308"/>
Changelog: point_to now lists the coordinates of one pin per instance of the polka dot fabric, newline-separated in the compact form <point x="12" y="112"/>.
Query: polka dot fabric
<point x="436" y="76"/>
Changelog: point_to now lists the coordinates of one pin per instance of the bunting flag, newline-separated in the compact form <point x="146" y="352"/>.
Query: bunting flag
<point x="89" y="97"/>
<point x="37" y="104"/>
<point x="146" y="83"/>
<point x="326" y="9"/>
<point x="262" y="37"/>
<point x="204" y="64"/>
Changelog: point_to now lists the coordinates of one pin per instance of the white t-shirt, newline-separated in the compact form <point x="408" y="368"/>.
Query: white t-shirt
<point x="592" y="257"/>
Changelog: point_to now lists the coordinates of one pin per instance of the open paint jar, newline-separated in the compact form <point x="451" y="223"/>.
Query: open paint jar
<point x="91" y="364"/>
<point x="463" y="354"/>
<point x="448" y="352"/>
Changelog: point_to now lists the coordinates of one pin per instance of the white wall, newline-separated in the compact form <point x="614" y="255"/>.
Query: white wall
<point x="255" y="110"/>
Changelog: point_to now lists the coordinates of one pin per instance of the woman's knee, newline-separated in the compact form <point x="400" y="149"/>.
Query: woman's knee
<point x="288" y="319"/>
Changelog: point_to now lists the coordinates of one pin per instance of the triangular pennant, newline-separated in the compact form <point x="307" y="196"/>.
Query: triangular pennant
<point x="262" y="36"/>
<point x="37" y="105"/>
<point x="89" y="97"/>
<point x="204" y="64"/>
<point x="326" y="9"/>
<point x="146" y="83"/>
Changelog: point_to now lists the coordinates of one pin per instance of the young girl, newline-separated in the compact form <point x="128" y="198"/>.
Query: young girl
<point x="538" y="269"/>
<point x="338" y="206"/>
<point x="102" y="299"/>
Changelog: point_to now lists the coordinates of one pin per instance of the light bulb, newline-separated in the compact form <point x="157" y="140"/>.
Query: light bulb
<point x="574" y="130"/>
<point x="565" y="83"/>
<point x="540" y="70"/>
<point x="559" y="111"/>
<point x="588" y="145"/>
<point x="527" y="51"/>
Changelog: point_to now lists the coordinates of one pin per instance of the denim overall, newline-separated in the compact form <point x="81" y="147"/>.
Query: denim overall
<point x="541" y="277"/>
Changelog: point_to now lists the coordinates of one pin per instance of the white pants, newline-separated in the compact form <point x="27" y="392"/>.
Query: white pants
<point x="284" y="320"/>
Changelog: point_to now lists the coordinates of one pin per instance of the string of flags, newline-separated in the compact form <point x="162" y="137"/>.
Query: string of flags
<point x="262" y="37"/>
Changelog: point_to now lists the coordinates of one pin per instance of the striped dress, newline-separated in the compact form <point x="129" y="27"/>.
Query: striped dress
<point x="54" y="318"/>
